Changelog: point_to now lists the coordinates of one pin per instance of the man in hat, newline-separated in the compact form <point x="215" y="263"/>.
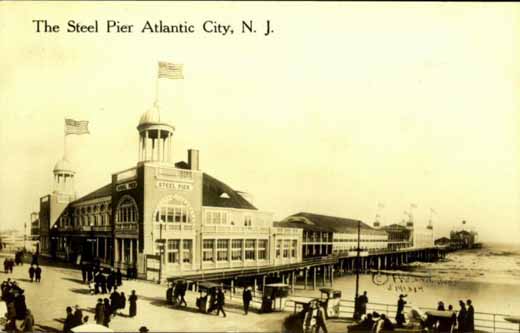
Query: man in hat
<point x="399" y="316"/>
<point x="78" y="317"/>
<point x="246" y="298"/>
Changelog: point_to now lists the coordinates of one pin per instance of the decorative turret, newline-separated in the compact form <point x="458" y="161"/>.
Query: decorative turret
<point x="64" y="178"/>
<point x="155" y="137"/>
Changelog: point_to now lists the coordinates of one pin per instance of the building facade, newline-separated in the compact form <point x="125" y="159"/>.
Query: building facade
<point x="329" y="235"/>
<point x="162" y="218"/>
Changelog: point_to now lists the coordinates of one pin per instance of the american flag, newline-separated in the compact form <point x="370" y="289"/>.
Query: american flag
<point x="76" y="126"/>
<point x="167" y="70"/>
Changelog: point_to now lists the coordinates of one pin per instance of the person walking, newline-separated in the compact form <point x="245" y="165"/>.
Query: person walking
<point x="69" y="321"/>
<point x="106" y="312"/>
<point x="99" y="315"/>
<point x="133" y="304"/>
<point x="119" y="278"/>
<point x="114" y="301"/>
<point x="462" y="318"/>
<point x="84" y="272"/>
<point x="246" y="298"/>
<point x="362" y="304"/>
<point x="38" y="274"/>
<point x="169" y="294"/>
<point x="31" y="273"/>
<point x="220" y="302"/>
<point x="321" y="323"/>
<point x="78" y="316"/>
<point x="399" y="316"/>
<point x="103" y="283"/>
<point x="110" y="281"/>
<point x="470" y="317"/>
<point x="122" y="301"/>
<point x="182" y="293"/>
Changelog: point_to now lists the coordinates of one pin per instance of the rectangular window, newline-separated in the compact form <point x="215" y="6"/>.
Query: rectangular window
<point x="187" y="248"/>
<point x="286" y="245"/>
<point x="294" y="248"/>
<point x="247" y="221"/>
<point x="163" y="214"/>
<point x="250" y="249"/>
<point x="262" y="249"/>
<point x="173" y="251"/>
<point x="169" y="217"/>
<point x="222" y="249"/>
<point x="207" y="251"/>
<point x="278" y="248"/>
<point x="208" y="218"/>
<point x="236" y="249"/>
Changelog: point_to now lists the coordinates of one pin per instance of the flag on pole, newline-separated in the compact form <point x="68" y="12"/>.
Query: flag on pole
<point x="167" y="70"/>
<point x="76" y="126"/>
<point x="413" y="205"/>
<point x="433" y="211"/>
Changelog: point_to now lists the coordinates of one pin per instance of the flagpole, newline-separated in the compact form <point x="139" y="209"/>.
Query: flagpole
<point x="65" y="142"/>
<point x="156" y="102"/>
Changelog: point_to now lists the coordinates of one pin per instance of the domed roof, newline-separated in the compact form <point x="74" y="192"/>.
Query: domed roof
<point x="151" y="116"/>
<point x="63" y="165"/>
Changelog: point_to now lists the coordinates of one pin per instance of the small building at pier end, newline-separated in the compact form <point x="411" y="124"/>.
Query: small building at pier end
<point x="160" y="217"/>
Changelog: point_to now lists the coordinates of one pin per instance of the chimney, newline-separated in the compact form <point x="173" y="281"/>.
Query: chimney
<point x="193" y="159"/>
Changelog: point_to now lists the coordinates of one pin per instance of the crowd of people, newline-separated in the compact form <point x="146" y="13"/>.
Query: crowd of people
<point x="19" y="317"/>
<point x="104" y="311"/>
<point x="100" y="281"/>
<point x="443" y="320"/>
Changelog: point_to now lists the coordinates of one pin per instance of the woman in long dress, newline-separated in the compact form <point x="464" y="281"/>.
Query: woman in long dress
<point x="133" y="304"/>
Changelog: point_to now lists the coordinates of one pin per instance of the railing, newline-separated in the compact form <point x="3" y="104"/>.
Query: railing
<point x="484" y="321"/>
<point x="287" y="231"/>
<point x="102" y="228"/>
<point x="85" y="228"/>
<point x="126" y="226"/>
<point x="174" y="226"/>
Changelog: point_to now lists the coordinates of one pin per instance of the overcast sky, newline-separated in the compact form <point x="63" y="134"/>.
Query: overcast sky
<point x="343" y="107"/>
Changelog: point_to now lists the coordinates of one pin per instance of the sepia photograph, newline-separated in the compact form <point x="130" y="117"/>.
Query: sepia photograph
<point x="295" y="167"/>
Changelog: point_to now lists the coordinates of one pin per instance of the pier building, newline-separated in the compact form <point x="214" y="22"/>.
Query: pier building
<point x="162" y="218"/>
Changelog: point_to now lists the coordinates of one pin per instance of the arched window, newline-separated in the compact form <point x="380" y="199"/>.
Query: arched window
<point x="174" y="209"/>
<point x="126" y="211"/>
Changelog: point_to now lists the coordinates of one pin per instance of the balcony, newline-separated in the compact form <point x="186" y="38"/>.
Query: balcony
<point x="287" y="231"/>
<point x="234" y="229"/>
<point x="173" y="226"/>
<point x="126" y="227"/>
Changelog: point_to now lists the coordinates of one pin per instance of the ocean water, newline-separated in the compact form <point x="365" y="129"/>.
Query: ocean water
<point x="489" y="276"/>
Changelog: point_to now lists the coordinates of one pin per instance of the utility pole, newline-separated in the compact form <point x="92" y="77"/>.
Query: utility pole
<point x="358" y="249"/>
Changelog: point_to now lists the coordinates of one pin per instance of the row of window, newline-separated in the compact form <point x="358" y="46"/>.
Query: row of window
<point x="85" y="220"/>
<point x="361" y="240"/>
<point x="222" y="218"/>
<point x="314" y="236"/>
<point x="175" y="254"/>
<point x="235" y="249"/>
<point x="286" y="248"/>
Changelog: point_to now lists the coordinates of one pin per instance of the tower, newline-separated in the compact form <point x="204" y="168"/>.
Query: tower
<point x="155" y="137"/>
<point x="64" y="180"/>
